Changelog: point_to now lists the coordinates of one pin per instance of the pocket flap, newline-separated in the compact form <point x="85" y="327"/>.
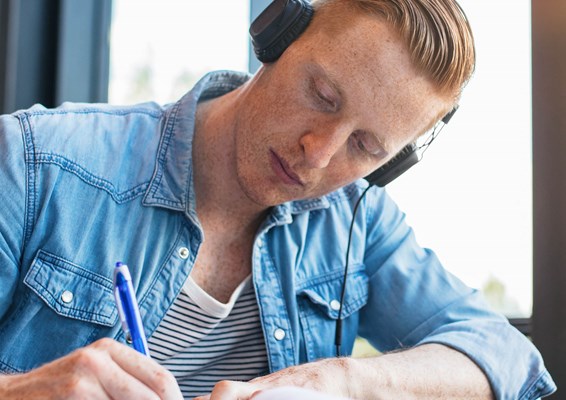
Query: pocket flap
<point x="72" y="291"/>
<point x="326" y="294"/>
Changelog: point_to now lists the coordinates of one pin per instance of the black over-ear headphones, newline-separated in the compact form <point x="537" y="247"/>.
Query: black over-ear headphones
<point x="277" y="27"/>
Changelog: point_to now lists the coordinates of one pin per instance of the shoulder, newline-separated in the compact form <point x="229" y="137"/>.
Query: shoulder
<point x="102" y="144"/>
<point x="75" y="125"/>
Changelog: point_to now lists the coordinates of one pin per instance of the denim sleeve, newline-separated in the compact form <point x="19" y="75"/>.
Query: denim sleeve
<point x="12" y="206"/>
<point x="413" y="300"/>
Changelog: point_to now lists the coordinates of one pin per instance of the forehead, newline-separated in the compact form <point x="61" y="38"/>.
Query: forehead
<point x="370" y="64"/>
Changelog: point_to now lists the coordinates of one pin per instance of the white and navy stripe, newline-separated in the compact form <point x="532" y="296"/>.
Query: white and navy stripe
<point x="202" y="341"/>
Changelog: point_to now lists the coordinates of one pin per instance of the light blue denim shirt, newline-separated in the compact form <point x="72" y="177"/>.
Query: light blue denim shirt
<point x="84" y="186"/>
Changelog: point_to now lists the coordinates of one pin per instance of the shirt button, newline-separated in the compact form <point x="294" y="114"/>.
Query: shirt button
<point x="183" y="253"/>
<point x="335" y="305"/>
<point x="279" y="334"/>
<point x="67" y="296"/>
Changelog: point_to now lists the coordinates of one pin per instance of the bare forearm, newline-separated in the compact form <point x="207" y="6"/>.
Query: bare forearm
<point x="430" y="371"/>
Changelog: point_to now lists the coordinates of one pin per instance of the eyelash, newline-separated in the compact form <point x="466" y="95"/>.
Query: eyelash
<point x="321" y="99"/>
<point x="359" y="145"/>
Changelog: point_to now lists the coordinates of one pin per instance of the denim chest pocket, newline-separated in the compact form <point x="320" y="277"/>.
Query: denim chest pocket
<point x="64" y="307"/>
<point x="319" y="307"/>
<point x="71" y="290"/>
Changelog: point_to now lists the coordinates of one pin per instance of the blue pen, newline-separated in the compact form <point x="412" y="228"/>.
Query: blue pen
<point x="128" y="308"/>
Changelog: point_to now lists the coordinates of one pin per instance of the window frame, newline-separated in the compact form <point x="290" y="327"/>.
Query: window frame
<point x="549" y="191"/>
<point x="53" y="51"/>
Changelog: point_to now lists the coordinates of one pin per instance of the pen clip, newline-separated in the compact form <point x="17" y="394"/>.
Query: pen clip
<point x="122" y="314"/>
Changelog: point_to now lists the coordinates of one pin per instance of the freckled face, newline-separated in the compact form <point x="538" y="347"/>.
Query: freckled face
<point x="333" y="108"/>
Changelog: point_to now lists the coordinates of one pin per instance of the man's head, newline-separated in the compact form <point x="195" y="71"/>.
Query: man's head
<point x="363" y="80"/>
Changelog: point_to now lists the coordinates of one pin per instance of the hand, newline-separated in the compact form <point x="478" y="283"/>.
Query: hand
<point x="105" y="369"/>
<point x="329" y="376"/>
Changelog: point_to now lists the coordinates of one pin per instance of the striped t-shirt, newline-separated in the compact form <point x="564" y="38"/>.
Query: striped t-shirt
<point x="202" y="341"/>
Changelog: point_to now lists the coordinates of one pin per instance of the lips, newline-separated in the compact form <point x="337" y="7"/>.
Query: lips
<point x="283" y="170"/>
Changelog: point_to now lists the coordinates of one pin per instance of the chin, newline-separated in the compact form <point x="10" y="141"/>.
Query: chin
<point x="259" y="194"/>
<point x="266" y="195"/>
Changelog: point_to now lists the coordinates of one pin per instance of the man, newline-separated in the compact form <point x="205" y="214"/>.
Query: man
<point x="249" y="186"/>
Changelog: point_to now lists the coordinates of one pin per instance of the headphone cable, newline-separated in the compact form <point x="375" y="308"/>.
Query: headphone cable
<point x="338" y="334"/>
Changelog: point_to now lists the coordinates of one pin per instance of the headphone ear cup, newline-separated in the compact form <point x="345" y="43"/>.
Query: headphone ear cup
<point x="395" y="167"/>
<point x="278" y="26"/>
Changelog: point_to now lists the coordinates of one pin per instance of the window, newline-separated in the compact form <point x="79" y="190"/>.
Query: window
<point x="470" y="199"/>
<point x="159" y="49"/>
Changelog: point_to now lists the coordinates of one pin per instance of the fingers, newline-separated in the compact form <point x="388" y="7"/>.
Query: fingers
<point x="231" y="390"/>
<point x="104" y="370"/>
<point x="130" y="373"/>
<point x="93" y="373"/>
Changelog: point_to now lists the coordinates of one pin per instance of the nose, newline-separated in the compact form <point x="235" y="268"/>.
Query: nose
<point x="322" y="144"/>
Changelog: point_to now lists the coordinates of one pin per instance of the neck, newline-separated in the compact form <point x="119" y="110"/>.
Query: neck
<point x="219" y="198"/>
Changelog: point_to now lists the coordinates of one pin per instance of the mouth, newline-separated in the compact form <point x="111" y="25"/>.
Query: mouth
<point x="283" y="170"/>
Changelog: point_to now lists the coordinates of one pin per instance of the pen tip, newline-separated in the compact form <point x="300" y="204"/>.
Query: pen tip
<point x="118" y="264"/>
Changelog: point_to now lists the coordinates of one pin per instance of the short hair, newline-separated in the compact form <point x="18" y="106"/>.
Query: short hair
<point x="437" y="32"/>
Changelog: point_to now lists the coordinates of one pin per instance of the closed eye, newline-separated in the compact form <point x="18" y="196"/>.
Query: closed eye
<point x="367" y="144"/>
<point x="323" y="95"/>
